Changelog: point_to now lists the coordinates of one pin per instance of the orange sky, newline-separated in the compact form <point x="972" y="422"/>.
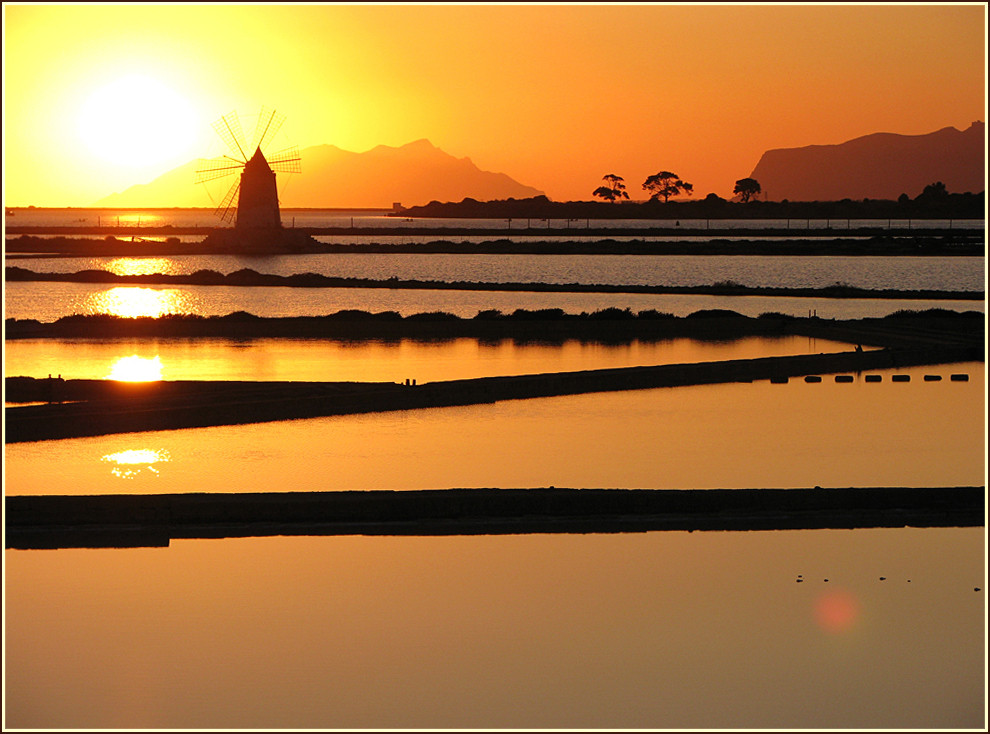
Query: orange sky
<point x="100" y="97"/>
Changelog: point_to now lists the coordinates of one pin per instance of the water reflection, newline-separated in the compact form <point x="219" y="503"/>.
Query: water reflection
<point x="324" y="360"/>
<point x="136" y="369"/>
<point x="632" y="631"/>
<point x="132" y="219"/>
<point x="141" y="266"/>
<point x="133" y="462"/>
<point x="758" y="434"/>
<point x="48" y="301"/>
<point x="134" y="302"/>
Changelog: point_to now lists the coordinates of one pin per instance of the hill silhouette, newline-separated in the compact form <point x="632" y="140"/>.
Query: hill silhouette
<point x="877" y="166"/>
<point x="413" y="174"/>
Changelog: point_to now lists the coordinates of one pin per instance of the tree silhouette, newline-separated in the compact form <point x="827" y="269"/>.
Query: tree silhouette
<point x="613" y="188"/>
<point x="666" y="184"/>
<point x="747" y="188"/>
<point x="933" y="192"/>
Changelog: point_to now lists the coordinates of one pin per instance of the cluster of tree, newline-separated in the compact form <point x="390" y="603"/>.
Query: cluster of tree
<point x="933" y="201"/>
<point x="661" y="185"/>
<point x="665" y="184"/>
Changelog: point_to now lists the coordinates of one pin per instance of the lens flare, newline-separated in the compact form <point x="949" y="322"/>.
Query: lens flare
<point x="136" y="369"/>
<point x="133" y="462"/>
<point x="837" y="611"/>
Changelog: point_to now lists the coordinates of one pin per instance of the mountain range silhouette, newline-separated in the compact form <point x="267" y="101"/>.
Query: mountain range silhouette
<point x="413" y="174"/>
<point x="877" y="166"/>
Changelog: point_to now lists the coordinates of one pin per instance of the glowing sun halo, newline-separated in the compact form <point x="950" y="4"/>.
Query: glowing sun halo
<point x="137" y="121"/>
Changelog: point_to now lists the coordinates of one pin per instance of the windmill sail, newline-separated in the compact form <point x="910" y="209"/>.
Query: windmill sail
<point x="228" y="128"/>
<point x="209" y="169"/>
<point x="286" y="161"/>
<point x="269" y="123"/>
<point x="226" y="209"/>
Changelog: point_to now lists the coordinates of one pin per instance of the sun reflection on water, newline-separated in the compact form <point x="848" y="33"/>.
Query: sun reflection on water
<point x="141" y="266"/>
<point x="134" y="219"/>
<point x="132" y="462"/>
<point x="136" y="369"/>
<point x="134" y="302"/>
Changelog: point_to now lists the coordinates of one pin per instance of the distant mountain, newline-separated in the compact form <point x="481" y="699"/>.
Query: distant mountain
<point x="878" y="166"/>
<point x="413" y="174"/>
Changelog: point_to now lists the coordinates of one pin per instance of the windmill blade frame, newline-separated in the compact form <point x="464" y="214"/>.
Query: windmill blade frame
<point x="268" y="125"/>
<point x="286" y="161"/>
<point x="208" y="169"/>
<point x="228" y="128"/>
<point x="227" y="208"/>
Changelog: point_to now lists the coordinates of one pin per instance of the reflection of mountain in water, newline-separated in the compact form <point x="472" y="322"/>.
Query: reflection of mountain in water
<point x="878" y="166"/>
<point x="412" y="174"/>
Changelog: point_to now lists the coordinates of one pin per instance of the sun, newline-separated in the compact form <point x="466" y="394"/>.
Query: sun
<point x="136" y="121"/>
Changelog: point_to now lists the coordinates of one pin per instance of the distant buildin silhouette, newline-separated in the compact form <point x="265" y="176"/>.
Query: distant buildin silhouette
<point x="257" y="220"/>
<point x="257" y="202"/>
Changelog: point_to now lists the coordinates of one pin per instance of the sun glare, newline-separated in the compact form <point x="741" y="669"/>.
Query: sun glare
<point x="136" y="369"/>
<point x="130" y="463"/>
<point x="141" y="266"/>
<point x="137" y="121"/>
<point x="134" y="302"/>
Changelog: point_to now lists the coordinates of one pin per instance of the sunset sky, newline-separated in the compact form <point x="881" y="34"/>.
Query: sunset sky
<point x="100" y="97"/>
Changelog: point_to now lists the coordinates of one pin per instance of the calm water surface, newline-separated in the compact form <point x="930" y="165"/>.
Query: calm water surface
<point x="909" y="273"/>
<point x="641" y="630"/>
<point x="756" y="434"/>
<point x="321" y="360"/>
<point x="650" y="630"/>
<point x="49" y="302"/>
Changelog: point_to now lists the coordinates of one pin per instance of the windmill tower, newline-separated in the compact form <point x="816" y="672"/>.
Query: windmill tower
<point x="256" y="211"/>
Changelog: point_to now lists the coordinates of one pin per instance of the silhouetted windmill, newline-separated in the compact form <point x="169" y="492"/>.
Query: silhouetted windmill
<point x="254" y="192"/>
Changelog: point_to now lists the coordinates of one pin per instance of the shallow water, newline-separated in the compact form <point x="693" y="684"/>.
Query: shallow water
<point x="799" y="434"/>
<point x="645" y="630"/>
<point x="48" y="302"/>
<point x="638" y="630"/>
<point x="906" y="273"/>
<point x="320" y="360"/>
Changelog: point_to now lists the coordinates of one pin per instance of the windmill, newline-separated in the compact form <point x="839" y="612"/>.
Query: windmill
<point x="252" y="199"/>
